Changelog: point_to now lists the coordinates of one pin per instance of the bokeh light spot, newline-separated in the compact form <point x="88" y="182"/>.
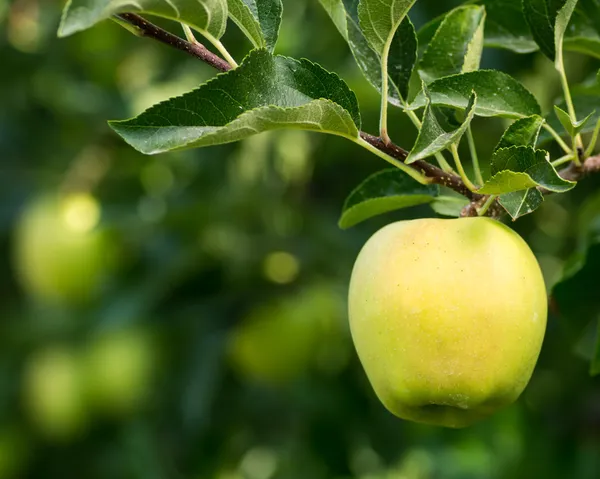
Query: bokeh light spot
<point x="281" y="267"/>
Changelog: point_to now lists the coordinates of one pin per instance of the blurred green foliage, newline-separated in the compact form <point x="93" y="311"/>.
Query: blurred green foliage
<point x="165" y="372"/>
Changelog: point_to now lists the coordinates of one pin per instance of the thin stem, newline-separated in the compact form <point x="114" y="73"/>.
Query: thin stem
<point x="383" y="118"/>
<point x="222" y="50"/>
<point x="558" y="139"/>
<point x="189" y="34"/>
<point x="218" y="45"/>
<point x="560" y="66"/>
<point x="413" y="173"/>
<point x="561" y="161"/>
<point x="474" y="157"/>
<point x="566" y="90"/>
<point x="461" y="170"/>
<point x="444" y="165"/>
<point x="593" y="141"/>
<point x="487" y="205"/>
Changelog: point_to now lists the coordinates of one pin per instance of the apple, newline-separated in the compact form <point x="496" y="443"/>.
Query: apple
<point x="61" y="255"/>
<point x="281" y="341"/>
<point x="53" y="393"/>
<point x="119" y="370"/>
<point x="448" y="317"/>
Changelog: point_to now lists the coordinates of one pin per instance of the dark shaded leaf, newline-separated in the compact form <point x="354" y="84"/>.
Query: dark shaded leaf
<point x="385" y="191"/>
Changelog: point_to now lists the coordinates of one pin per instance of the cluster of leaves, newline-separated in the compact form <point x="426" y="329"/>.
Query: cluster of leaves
<point x="434" y="70"/>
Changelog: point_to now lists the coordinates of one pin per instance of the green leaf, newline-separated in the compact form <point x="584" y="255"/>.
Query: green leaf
<point x="572" y="128"/>
<point x="521" y="203"/>
<point x="380" y="19"/>
<point x="449" y="205"/>
<point x="385" y="191"/>
<point x="583" y="34"/>
<point x="258" y="19"/>
<point x="337" y="11"/>
<point x="456" y="46"/>
<point x="586" y="99"/>
<point x="523" y="132"/>
<point x="433" y="138"/>
<point x="548" y="21"/>
<point x="506" y="26"/>
<point x="498" y="94"/>
<point x="520" y="168"/>
<point x="402" y="55"/>
<point x="264" y="93"/>
<point x="209" y="17"/>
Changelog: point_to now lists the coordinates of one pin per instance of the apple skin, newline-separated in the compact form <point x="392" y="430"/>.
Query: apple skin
<point x="448" y="317"/>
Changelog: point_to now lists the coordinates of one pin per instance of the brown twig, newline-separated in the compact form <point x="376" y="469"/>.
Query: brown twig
<point x="577" y="173"/>
<point x="437" y="175"/>
<point x="197" y="50"/>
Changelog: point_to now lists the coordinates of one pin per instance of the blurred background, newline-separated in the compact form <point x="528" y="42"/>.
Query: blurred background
<point x="184" y="316"/>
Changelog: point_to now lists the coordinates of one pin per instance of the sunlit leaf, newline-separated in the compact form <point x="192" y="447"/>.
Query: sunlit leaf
<point x="523" y="132"/>
<point x="586" y="100"/>
<point x="207" y="16"/>
<point x="258" y="19"/>
<point x="520" y="168"/>
<point x="456" y="46"/>
<point x="571" y="127"/>
<point x="379" y="21"/>
<point x="498" y="94"/>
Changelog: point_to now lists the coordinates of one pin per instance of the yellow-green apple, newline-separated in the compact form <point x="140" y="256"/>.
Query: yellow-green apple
<point x="279" y="342"/>
<point x="53" y="393"/>
<point x="119" y="370"/>
<point x="61" y="254"/>
<point x="448" y="317"/>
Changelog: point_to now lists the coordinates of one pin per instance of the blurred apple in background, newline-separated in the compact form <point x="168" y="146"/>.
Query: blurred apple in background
<point x="281" y="341"/>
<point x="61" y="254"/>
<point x="53" y="393"/>
<point x="118" y="368"/>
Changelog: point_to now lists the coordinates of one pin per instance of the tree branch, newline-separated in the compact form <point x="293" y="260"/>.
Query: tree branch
<point x="197" y="50"/>
<point x="437" y="175"/>
<point x="577" y="173"/>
